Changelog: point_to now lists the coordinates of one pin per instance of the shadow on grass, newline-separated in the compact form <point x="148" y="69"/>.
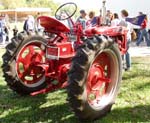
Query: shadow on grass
<point x="52" y="114"/>
<point x="137" y="72"/>
<point x="18" y="109"/>
<point x="30" y="110"/>
<point x="142" y="86"/>
<point x="140" y="113"/>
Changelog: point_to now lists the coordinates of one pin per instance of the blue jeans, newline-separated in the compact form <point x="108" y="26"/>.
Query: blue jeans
<point x="127" y="57"/>
<point x="144" y="33"/>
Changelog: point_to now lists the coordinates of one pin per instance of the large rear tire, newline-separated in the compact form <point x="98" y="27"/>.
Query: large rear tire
<point x="94" y="78"/>
<point x="19" y="71"/>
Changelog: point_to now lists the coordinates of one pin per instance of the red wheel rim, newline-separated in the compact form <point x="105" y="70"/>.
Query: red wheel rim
<point x="28" y="71"/>
<point x="100" y="79"/>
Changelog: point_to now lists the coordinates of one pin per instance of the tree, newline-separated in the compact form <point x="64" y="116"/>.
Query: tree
<point x="43" y="3"/>
<point x="7" y="4"/>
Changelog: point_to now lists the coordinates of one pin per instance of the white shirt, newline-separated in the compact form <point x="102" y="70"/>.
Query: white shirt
<point x="30" y="23"/>
<point x="115" y="22"/>
<point x="129" y="26"/>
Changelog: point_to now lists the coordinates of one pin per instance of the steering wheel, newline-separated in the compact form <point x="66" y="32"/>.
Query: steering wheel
<point x="66" y="11"/>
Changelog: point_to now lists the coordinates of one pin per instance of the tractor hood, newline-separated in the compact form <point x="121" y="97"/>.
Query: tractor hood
<point x="52" y="25"/>
<point x="110" y="31"/>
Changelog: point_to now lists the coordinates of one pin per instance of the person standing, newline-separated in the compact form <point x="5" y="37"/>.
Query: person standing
<point x="82" y="18"/>
<point x="2" y="29"/>
<point x="100" y="19"/>
<point x="38" y="27"/>
<point x="108" y="18"/>
<point x="143" y="33"/>
<point x="29" y="24"/>
<point x="115" y="21"/>
<point x="91" y="17"/>
<point x="128" y="25"/>
<point x="93" y="20"/>
<point x="25" y="27"/>
<point x="7" y="28"/>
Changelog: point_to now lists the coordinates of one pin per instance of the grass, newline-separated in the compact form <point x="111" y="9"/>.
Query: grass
<point x="132" y="104"/>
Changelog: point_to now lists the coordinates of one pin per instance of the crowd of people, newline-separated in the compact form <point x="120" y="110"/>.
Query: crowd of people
<point x="30" y="24"/>
<point x="112" y="19"/>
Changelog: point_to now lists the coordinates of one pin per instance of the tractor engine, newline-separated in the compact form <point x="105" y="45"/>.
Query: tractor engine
<point x="58" y="58"/>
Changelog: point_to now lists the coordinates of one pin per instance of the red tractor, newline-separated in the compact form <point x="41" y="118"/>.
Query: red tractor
<point x="87" y="62"/>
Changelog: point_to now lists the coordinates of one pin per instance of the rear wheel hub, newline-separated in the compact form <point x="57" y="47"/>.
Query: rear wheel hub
<point x="98" y="79"/>
<point x="27" y="67"/>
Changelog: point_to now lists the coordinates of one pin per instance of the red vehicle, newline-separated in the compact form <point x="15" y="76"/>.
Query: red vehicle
<point x="87" y="62"/>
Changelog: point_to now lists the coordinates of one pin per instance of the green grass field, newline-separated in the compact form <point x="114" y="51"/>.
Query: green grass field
<point x="132" y="104"/>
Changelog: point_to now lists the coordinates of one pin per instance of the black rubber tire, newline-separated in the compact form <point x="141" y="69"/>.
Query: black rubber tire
<point x="78" y="73"/>
<point x="9" y="63"/>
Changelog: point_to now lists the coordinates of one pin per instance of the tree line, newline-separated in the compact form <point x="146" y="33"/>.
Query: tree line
<point x="12" y="4"/>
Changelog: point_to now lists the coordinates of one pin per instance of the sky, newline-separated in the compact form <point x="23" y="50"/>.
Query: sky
<point x="133" y="6"/>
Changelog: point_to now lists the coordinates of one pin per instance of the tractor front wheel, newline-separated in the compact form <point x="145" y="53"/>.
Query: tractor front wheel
<point x="94" y="78"/>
